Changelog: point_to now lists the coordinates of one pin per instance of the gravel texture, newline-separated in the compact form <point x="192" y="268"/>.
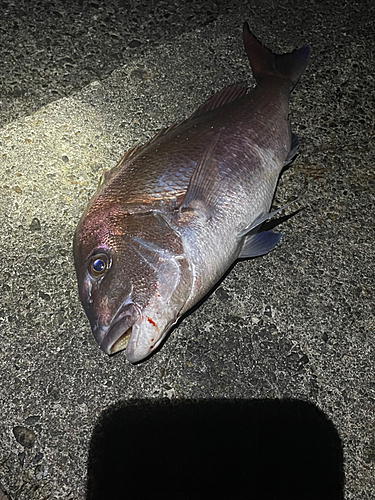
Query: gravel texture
<point x="297" y="324"/>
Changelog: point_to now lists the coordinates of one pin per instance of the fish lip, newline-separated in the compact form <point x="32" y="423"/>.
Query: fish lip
<point x="123" y="321"/>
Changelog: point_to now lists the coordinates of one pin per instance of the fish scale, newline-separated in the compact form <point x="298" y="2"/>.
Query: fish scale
<point x="164" y="169"/>
<point x="170" y="219"/>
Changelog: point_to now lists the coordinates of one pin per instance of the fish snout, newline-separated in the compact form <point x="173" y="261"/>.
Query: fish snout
<point x="115" y="336"/>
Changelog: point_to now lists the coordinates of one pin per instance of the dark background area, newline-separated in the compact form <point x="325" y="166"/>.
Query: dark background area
<point x="258" y="449"/>
<point x="50" y="49"/>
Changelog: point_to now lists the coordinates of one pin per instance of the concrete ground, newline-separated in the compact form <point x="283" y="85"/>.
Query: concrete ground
<point x="80" y="84"/>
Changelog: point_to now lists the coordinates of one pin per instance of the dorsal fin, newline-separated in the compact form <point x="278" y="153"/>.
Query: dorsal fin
<point x="107" y="172"/>
<point x="227" y="94"/>
<point x="132" y="153"/>
<point x="136" y="151"/>
<point x="129" y="154"/>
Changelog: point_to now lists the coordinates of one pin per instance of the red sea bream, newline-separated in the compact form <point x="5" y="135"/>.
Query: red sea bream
<point x="170" y="219"/>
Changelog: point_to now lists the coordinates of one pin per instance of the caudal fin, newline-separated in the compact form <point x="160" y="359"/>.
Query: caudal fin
<point x="265" y="63"/>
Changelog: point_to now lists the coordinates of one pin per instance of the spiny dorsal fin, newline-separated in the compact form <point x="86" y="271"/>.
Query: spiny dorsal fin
<point x="227" y="94"/>
<point x="137" y="150"/>
<point x="107" y="172"/>
<point x="129" y="154"/>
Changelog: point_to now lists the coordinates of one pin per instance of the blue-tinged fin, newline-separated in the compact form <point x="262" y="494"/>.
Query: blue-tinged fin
<point x="259" y="244"/>
<point x="293" y="150"/>
<point x="265" y="64"/>
<point x="202" y="193"/>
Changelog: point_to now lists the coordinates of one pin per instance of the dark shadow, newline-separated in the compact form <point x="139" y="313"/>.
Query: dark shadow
<point x="256" y="449"/>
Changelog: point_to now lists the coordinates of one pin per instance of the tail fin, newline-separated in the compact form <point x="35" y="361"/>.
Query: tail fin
<point x="264" y="63"/>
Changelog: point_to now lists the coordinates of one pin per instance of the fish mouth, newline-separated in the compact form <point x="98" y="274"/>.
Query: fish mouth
<point x="119" y="331"/>
<point x="122" y="342"/>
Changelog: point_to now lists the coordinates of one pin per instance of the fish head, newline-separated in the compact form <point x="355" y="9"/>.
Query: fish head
<point x="133" y="279"/>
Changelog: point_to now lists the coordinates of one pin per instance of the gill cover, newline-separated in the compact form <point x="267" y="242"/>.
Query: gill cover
<point x="171" y="289"/>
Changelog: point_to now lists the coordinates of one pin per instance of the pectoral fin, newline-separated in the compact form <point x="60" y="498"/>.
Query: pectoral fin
<point x="202" y="193"/>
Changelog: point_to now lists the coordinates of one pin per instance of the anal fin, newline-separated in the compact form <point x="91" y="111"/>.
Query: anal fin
<point x="259" y="244"/>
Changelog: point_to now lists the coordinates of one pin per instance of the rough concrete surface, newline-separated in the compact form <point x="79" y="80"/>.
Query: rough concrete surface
<point x="297" y="323"/>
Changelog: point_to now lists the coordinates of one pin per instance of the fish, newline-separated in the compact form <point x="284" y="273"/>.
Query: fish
<point x="169" y="220"/>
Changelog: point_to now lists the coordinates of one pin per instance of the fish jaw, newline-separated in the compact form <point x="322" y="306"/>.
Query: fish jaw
<point x="116" y="335"/>
<point x="146" y="336"/>
<point x="162" y="311"/>
<point x="137" y="332"/>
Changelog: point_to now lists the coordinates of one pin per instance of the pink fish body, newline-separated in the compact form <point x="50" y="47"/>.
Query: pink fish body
<point x="170" y="219"/>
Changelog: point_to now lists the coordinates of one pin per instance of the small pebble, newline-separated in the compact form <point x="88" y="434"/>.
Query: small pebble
<point x="24" y="436"/>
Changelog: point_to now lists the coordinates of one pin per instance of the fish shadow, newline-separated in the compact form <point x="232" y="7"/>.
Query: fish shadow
<point x="211" y="449"/>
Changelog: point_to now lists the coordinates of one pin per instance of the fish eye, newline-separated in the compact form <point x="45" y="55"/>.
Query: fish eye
<point x="98" y="265"/>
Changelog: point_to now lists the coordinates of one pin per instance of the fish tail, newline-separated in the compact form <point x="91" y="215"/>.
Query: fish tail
<point x="265" y="63"/>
